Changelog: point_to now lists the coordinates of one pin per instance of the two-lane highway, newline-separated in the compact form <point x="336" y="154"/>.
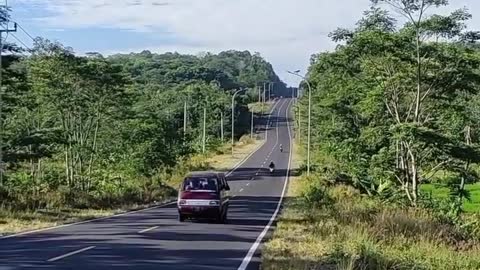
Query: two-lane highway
<point x="154" y="239"/>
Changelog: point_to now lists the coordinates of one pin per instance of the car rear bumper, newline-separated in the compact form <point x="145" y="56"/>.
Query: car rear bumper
<point x="199" y="211"/>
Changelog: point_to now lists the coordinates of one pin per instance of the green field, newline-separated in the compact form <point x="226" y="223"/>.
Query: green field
<point x="439" y="191"/>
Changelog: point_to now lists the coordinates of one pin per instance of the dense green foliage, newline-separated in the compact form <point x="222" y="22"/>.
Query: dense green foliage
<point x="395" y="140"/>
<point x="90" y="131"/>
<point x="337" y="227"/>
<point x="396" y="107"/>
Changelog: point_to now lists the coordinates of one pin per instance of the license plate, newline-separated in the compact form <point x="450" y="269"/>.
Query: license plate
<point x="197" y="209"/>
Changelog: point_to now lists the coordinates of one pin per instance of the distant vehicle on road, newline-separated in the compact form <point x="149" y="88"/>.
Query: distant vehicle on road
<point x="271" y="167"/>
<point x="204" y="195"/>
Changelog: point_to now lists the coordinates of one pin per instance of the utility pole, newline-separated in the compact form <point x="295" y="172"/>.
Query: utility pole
<point x="264" y="90"/>
<point x="270" y="89"/>
<point x="251" y="127"/>
<point x="259" y="94"/>
<point x="309" y="128"/>
<point x="299" y="124"/>
<point x="4" y="20"/>
<point x="204" y="128"/>
<point x="269" y="86"/>
<point x="233" y="118"/>
<point x="185" y="118"/>
<point x="185" y="122"/>
<point x="221" y="126"/>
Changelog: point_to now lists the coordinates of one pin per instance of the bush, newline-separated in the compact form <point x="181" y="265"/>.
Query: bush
<point x="315" y="194"/>
<point x="337" y="227"/>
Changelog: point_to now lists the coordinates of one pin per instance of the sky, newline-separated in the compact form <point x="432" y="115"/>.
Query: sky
<point x="285" y="32"/>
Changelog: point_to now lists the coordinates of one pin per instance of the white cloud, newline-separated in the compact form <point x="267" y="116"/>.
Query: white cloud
<point x="286" y="32"/>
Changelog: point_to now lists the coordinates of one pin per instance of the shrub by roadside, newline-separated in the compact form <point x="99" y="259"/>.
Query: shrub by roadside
<point x="336" y="227"/>
<point x="261" y="107"/>
<point x="117" y="199"/>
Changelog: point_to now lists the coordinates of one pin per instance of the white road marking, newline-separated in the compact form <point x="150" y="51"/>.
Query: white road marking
<point x="255" y="151"/>
<point x="136" y="211"/>
<point x="241" y="190"/>
<point x="248" y="184"/>
<point x="255" y="245"/>
<point x="70" y="254"/>
<point x="149" y="229"/>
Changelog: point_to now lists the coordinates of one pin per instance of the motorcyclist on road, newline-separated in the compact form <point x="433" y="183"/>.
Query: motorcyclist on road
<point x="281" y="148"/>
<point x="272" y="166"/>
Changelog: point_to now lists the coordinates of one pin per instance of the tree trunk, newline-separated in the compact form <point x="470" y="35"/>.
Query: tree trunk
<point x="67" y="166"/>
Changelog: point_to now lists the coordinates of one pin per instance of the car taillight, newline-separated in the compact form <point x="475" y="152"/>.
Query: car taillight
<point x="182" y="202"/>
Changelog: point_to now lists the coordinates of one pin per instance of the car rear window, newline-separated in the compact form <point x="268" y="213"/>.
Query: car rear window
<point x="200" y="183"/>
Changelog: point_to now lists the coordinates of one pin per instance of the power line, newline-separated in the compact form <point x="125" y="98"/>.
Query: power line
<point x="25" y="31"/>
<point x="21" y="42"/>
<point x="16" y="38"/>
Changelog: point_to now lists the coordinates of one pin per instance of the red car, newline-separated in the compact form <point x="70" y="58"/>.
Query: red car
<point x="204" y="195"/>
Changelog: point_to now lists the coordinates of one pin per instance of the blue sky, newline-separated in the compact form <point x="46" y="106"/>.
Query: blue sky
<point x="285" y="32"/>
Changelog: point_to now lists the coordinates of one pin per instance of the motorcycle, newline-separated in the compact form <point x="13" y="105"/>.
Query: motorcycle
<point x="271" y="167"/>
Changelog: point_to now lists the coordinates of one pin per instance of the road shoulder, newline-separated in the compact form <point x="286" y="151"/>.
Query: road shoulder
<point x="13" y="222"/>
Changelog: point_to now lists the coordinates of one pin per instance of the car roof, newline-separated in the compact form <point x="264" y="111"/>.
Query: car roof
<point x="206" y="173"/>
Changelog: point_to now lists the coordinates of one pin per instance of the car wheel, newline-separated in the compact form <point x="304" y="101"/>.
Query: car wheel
<point x="181" y="218"/>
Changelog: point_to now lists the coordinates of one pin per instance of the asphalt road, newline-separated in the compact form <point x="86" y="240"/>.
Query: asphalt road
<point x="154" y="239"/>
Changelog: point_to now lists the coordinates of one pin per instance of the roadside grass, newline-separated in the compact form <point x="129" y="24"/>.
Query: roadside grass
<point x="260" y="107"/>
<point x="224" y="160"/>
<point x="441" y="192"/>
<point x="18" y="221"/>
<point x="336" y="227"/>
<point x="13" y="221"/>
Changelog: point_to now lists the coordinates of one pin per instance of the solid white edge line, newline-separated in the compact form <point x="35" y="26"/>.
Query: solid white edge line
<point x="135" y="211"/>
<point x="70" y="254"/>
<point x="149" y="229"/>
<point x="255" y="245"/>
<point x="241" y="162"/>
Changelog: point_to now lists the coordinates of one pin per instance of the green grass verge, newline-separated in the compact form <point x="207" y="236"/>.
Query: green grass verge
<point x="338" y="228"/>
<point x="14" y="221"/>
<point x="441" y="192"/>
<point x="260" y="107"/>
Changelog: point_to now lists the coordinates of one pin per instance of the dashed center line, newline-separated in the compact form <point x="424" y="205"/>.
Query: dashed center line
<point x="149" y="229"/>
<point x="70" y="254"/>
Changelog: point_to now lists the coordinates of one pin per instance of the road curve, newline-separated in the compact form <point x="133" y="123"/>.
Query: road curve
<point x="154" y="239"/>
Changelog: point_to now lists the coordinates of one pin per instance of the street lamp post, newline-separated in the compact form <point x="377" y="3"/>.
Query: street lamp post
<point x="221" y="126"/>
<point x="296" y="73"/>
<point x="252" y="125"/>
<point x="271" y="88"/>
<point x="204" y="137"/>
<point x="264" y="91"/>
<point x="233" y="117"/>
